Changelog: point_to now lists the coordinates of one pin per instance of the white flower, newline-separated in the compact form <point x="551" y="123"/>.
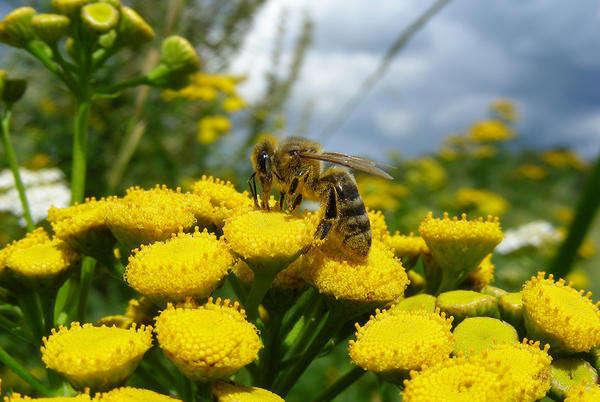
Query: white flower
<point x="532" y="234"/>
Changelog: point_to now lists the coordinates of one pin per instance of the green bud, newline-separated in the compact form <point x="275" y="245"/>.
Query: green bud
<point x="417" y="302"/>
<point x="15" y="28"/>
<point x="568" y="372"/>
<point x="2" y="81"/>
<point x="493" y="291"/>
<point x="50" y="27"/>
<point x="70" y="8"/>
<point x="477" y="334"/>
<point x="70" y="48"/>
<point x="467" y="303"/>
<point x="115" y="3"/>
<point x="100" y="17"/>
<point x="107" y="40"/>
<point x="13" y="90"/>
<point x="179" y="55"/>
<point x="133" y="30"/>
<point x="511" y="308"/>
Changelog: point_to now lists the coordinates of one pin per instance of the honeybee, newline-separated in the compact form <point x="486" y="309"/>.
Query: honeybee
<point x="295" y="168"/>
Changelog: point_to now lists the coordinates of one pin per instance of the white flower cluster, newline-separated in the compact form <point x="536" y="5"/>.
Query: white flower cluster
<point x="44" y="188"/>
<point x="532" y="234"/>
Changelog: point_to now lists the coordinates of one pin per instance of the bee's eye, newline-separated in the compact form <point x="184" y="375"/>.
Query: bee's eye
<point x="263" y="161"/>
<point x="293" y="152"/>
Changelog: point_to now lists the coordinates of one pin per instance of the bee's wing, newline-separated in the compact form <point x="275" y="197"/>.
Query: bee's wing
<point x="354" y="162"/>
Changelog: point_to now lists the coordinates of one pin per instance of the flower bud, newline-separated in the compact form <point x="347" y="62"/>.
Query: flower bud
<point x="467" y="303"/>
<point x="133" y="30"/>
<point x="179" y="55"/>
<point x="108" y="39"/>
<point x="70" y="48"/>
<point x="70" y="8"/>
<point x="50" y="27"/>
<point x="115" y="3"/>
<point x="15" y="28"/>
<point x="13" y="90"/>
<point x="100" y="17"/>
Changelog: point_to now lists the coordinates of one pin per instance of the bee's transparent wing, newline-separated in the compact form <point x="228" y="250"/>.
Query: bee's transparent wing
<point x="354" y="162"/>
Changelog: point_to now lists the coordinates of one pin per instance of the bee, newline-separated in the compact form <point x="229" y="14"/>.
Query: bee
<point x="295" y="168"/>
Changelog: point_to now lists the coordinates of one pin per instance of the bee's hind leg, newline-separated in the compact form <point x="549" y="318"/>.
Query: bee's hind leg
<point x="331" y="213"/>
<point x="296" y="202"/>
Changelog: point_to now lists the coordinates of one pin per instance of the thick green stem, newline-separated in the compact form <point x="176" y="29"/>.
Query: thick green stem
<point x="19" y="333"/>
<point x="262" y="281"/>
<point x="14" y="166"/>
<point x="584" y="217"/>
<point x="88" y="266"/>
<point x="79" y="151"/>
<point x="270" y="357"/>
<point x="308" y="299"/>
<point x="22" y="372"/>
<point x="32" y="314"/>
<point x="340" y="385"/>
<point x="312" y="321"/>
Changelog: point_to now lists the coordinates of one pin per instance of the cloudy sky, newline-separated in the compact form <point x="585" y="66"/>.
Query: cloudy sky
<point x="544" y="54"/>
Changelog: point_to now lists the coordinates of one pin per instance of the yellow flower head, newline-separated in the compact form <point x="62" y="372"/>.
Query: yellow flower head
<point x="569" y="372"/>
<point x="261" y="237"/>
<point x="483" y="275"/>
<point x="83" y="226"/>
<point x="407" y="248"/>
<point x="421" y="301"/>
<point x="467" y="303"/>
<point x="563" y="159"/>
<point x="426" y="172"/>
<point x="456" y="380"/>
<point x="96" y="357"/>
<point x="476" y="334"/>
<point x="459" y="246"/>
<point x="398" y="340"/>
<point x="224" y="198"/>
<point x="490" y="131"/>
<point x="130" y="394"/>
<point x="233" y="104"/>
<point x="146" y="216"/>
<point x="208" y="342"/>
<point x="228" y="392"/>
<point x="38" y="236"/>
<point x="184" y="265"/>
<point x="380" y="193"/>
<point x="528" y="368"/>
<point x="560" y="315"/>
<point x="480" y="202"/>
<point x="380" y="277"/>
<point x="484" y="151"/>
<point x="379" y="229"/>
<point x="583" y="393"/>
<point x="511" y="308"/>
<point x="16" y="397"/>
<point x="505" y="109"/>
<point x="532" y="172"/>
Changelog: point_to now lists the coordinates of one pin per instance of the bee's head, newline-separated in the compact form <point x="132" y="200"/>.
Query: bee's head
<point x="262" y="162"/>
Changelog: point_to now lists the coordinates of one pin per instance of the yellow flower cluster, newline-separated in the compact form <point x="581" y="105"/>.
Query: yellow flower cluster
<point x="210" y="128"/>
<point x="224" y="198"/>
<point x="426" y="172"/>
<point x="228" y="392"/>
<point x="563" y="159"/>
<point x="480" y="202"/>
<point x="380" y="193"/>
<point x="505" y="109"/>
<point x="532" y="172"/>
<point x="490" y="131"/>
<point x="130" y="394"/>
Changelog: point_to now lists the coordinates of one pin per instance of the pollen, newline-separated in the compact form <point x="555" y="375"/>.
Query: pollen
<point x="146" y="216"/>
<point x="560" y="315"/>
<point x="407" y="247"/>
<point x="455" y="380"/>
<point x="225" y="199"/>
<point x="379" y="228"/>
<point x="379" y="277"/>
<point x="185" y="265"/>
<point x="528" y="368"/>
<point x="259" y="236"/>
<point x="228" y="392"/>
<point x="130" y="394"/>
<point x="399" y="340"/>
<point x="16" y="397"/>
<point x="42" y="260"/>
<point x="584" y="393"/>
<point x="208" y="342"/>
<point x="96" y="357"/>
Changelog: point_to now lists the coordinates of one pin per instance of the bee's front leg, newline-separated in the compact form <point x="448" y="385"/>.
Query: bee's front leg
<point x="281" y="200"/>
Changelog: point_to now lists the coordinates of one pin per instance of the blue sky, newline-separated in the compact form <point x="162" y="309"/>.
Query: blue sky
<point x="544" y="54"/>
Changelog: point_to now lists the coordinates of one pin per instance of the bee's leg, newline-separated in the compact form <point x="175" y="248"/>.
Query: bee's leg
<point x="296" y="202"/>
<point x="252" y="185"/>
<point x="331" y="213"/>
<point x="281" y="200"/>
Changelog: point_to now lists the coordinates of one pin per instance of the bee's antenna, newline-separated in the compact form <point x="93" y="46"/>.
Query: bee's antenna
<point x="252" y="185"/>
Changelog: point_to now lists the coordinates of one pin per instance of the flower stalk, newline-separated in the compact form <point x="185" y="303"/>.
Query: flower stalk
<point x="22" y="372"/>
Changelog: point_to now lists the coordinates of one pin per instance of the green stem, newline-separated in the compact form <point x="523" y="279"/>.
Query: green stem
<point x="13" y="329"/>
<point x="584" y="217"/>
<point x="305" y="301"/>
<point x="340" y="385"/>
<point x="111" y="89"/>
<point x="239" y="288"/>
<point x="312" y="321"/>
<point x="88" y="266"/>
<point x="32" y="314"/>
<point x="36" y="49"/>
<point x="270" y="357"/>
<point x="14" y="166"/>
<point x="22" y="372"/>
<point x="262" y="281"/>
<point x="79" y="151"/>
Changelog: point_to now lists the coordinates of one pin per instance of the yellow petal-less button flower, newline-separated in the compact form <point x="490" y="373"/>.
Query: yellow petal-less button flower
<point x="483" y="275"/>
<point x="96" y="357"/>
<point x="457" y="380"/>
<point x="584" y="393"/>
<point x="146" y="216"/>
<point x="569" y="372"/>
<point x="476" y="334"/>
<point x="559" y="315"/>
<point x="130" y="394"/>
<point x="396" y="341"/>
<point x="225" y="199"/>
<point x="38" y="236"/>
<point x="459" y="246"/>
<point x="490" y="131"/>
<point x="16" y="397"/>
<point x="208" y="342"/>
<point x="228" y="392"/>
<point x="380" y="277"/>
<point x="185" y="265"/>
<point x="528" y="368"/>
<point x="407" y="248"/>
<point x="15" y="28"/>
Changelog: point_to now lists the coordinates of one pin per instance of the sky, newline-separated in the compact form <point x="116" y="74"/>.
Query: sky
<point x="542" y="54"/>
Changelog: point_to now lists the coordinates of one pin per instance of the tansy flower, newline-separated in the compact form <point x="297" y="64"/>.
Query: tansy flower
<point x="130" y="394"/>
<point x="563" y="158"/>
<point x="528" y="368"/>
<point x="421" y="301"/>
<point x="484" y="151"/>
<point x="269" y="238"/>
<point x="96" y="357"/>
<point x="459" y="246"/>
<point x="532" y="172"/>
<point x="146" y="216"/>
<point x="505" y="109"/>
<point x="38" y="236"/>
<point x="83" y="227"/>
<point x="138" y="312"/>
<point x="511" y="308"/>
<point x="483" y="275"/>
<point x="379" y="229"/>
<point x="16" y="397"/>
<point x="288" y="278"/>
<point x="407" y="248"/>
<point x="231" y="392"/>
<point x="476" y="334"/>
<point x="184" y="265"/>
<point x="208" y="342"/>
<point x="396" y="341"/>
<point x="456" y="379"/>
<point x="560" y="315"/>
<point x="224" y="198"/>
<point x="210" y="128"/>
<point x="232" y="104"/>
<point x="480" y="202"/>
<point x="467" y="303"/>
<point x="380" y="193"/>
<point x="490" y="131"/>
<point x="583" y="393"/>
<point x="426" y="172"/>
<point x="378" y="278"/>
<point x="570" y="372"/>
